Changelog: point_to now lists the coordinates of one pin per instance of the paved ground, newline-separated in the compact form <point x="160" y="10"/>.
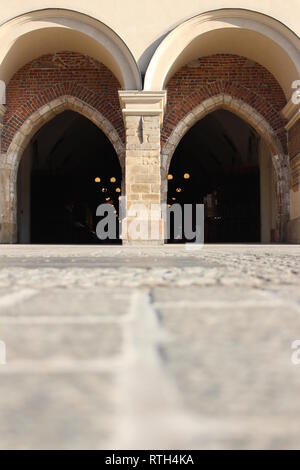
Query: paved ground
<point x="149" y="348"/>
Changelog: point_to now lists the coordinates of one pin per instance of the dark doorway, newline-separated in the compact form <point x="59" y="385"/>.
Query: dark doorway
<point x="217" y="164"/>
<point x="69" y="167"/>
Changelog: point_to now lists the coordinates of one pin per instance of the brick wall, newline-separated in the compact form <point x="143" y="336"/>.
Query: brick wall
<point x="224" y="73"/>
<point x="54" y="75"/>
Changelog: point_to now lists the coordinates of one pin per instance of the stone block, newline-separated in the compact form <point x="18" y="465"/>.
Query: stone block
<point x="155" y="188"/>
<point x="151" y="197"/>
<point x="140" y="188"/>
<point x="147" y="178"/>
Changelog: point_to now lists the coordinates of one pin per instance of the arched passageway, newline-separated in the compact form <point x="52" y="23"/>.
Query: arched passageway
<point x="68" y="168"/>
<point x="222" y="162"/>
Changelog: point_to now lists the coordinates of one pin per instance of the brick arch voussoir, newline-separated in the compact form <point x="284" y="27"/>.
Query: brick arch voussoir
<point x="95" y="100"/>
<point x="175" y="114"/>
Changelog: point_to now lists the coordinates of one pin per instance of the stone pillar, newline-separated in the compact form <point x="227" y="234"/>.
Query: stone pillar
<point x="292" y="113"/>
<point x="267" y="194"/>
<point x="2" y="112"/>
<point x="143" y="117"/>
<point x="7" y="225"/>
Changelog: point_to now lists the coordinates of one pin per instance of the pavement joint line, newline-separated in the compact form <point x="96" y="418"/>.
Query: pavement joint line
<point x="147" y="413"/>
<point x="13" y="298"/>
<point x="285" y="301"/>
<point x="61" y="366"/>
<point x="215" y="304"/>
<point x="66" y="320"/>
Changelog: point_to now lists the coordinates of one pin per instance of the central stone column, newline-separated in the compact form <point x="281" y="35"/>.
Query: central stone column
<point x="143" y="117"/>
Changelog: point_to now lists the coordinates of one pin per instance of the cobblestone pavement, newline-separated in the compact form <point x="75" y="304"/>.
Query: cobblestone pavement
<point x="166" y="347"/>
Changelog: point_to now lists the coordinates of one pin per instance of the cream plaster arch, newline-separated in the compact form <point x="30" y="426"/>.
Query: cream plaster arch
<point x="242" y="32"/>
<point x="31" y="126"/>
<point x="264" y="130"/>
<point x="31" y="35"/>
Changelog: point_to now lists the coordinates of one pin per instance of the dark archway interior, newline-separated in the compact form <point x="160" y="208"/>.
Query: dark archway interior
<point x="217" y="163"/>
<point x="65" y="161"/>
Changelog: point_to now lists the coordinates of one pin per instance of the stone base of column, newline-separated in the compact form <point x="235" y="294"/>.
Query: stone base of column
<point x="8" y="233"/>
<point x="294" y="230"/>
<point x="143" y="243"/>
<point x="8" y="228"/>
<point x="142" y="232"/>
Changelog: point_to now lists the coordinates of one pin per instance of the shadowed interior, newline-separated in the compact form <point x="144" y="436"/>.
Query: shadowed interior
<point x="217" y="164"/>
<point x="58" y="182"/>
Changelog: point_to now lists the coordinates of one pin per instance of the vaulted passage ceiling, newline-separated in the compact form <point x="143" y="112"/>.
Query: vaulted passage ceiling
<point x="74" y="168"/>
<point x="216" y="163"/>
<point x="219" y="142"/>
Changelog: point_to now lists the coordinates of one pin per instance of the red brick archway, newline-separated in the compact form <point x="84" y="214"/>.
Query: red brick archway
<point x="46" y="87"/>
<point x="243" y="87"/>
<point x="224" y="74"/>
<point x="55" y="75"/>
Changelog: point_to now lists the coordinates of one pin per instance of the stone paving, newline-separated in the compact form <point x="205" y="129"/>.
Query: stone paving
<point x="158" y="348"/>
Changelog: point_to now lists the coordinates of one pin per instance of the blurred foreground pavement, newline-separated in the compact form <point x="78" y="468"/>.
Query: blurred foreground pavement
<point x="149" y="348"/>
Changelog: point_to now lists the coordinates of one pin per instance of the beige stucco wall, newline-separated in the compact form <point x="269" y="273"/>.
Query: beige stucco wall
<point x="143" y="23"/>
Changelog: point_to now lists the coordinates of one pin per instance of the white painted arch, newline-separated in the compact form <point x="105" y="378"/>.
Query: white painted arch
<point x="233" y="31"/>
<point x="33" y="34"/>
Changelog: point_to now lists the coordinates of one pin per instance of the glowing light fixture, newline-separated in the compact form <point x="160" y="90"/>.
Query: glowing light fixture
<point x="173" y="198"/>
<point x="107" y="198"/>
<point x="113" y="179"/>
<point x="97" y="179"/>
<point x="118" y="190"/>
<point x="170" y="177"/>
<point x="178" y="190"/>
<point x="104" y="190"/>
<point x="186" y="176"/>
